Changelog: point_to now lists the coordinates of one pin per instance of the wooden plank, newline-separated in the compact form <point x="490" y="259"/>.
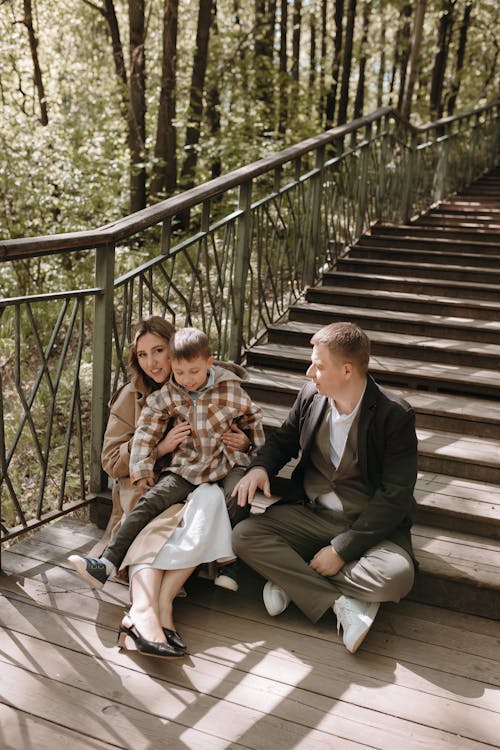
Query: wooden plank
<point x="19" y="730"/>
<point x="215" y="685"/>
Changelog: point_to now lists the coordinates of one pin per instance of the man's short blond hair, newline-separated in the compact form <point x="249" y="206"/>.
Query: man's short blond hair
<point x="189" y="343"/>
<point x="346" y="340"/>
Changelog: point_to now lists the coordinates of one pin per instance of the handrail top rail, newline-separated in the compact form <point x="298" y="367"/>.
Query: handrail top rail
<point x="129" y="225"/>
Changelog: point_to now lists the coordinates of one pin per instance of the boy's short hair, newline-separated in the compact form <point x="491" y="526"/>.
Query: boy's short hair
<point x="189" y="343"/>
<point x="348" y="340"/>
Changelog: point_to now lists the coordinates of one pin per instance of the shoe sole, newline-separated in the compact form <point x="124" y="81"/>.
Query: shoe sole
<point x="224" y="582"/>
<point x="79" y="566"/>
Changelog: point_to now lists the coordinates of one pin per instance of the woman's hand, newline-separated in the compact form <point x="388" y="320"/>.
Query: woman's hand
<point x="235" y="439"/>
<point x="173" y="438"/>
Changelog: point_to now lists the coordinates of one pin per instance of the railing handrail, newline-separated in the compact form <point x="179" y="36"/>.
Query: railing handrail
<point x="133" y="223"/>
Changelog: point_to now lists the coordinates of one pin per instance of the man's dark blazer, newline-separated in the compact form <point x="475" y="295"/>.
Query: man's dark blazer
<point x="387" y="457"/>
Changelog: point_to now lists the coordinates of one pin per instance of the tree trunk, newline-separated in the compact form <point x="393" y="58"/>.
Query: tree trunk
<point x="322" y="62"/>
<point x="137" y="105"/>
<point x="283" y="80"/>
<point x="164" y="176"/>
<point x="455" y="86"/>
<point x="413" y="60"/>
<point x="347" y="62"/>
<point x="381" y="70"/>
<point x="440" y="58"/>
<point x="312" y="59"/>
<point x="331" y="97"/>
<point x="37" y="71"/>
<point x="265" y="16"/>
<point x="401" y="53"/>
<point x="195" y="111"/>
<point x="360" y="91"/>
<point x="297" y="22"/>
<point x="213" y="106"/>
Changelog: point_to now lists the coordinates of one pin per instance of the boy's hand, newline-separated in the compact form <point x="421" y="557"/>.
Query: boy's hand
<point x="256" y="478"/>
<point x="235" y="439"/>
<point x="144" y="484"/>
<point x="173" y="438"/>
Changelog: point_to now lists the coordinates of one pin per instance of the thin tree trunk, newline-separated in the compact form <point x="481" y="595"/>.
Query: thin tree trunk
<point x="297" y="23"/>
<point x="213" y="106"/>
<point x="283" y="74"/>
<point x="312" y="59"/>
<point x="331" y="97"/>
<point x="195" y="111"/>
<point x="137" y="105"/>
<point x="455" y="86"/>
<point x="347" y="62"/>
<point x="322" y="72"/>
<point x="381" y="70"/>
<point x="37" y="71"/>
<point x="440" y="59"/>
<point x="360" y="90"/>
<point x="401" y="54"/>
<point x="413" y="59"/>
<point x="164" y="175"/>
<point x="265" y="16"/>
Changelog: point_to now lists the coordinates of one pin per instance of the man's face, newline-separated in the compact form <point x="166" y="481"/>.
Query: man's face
<point x="329" y="372"/>
<point x="192" y="374"/>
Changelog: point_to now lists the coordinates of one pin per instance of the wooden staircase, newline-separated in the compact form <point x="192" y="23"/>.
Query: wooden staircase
<point x="428" y="296"/>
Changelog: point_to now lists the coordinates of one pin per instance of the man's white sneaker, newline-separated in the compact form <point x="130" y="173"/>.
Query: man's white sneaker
<point x="356" y="619"/>
<point x="275" y="599"/>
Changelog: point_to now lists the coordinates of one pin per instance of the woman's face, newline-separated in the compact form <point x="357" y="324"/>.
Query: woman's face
<point x="153" y="358"/>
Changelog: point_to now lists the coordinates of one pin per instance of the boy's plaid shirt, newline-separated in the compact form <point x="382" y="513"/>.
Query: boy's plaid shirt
<point x="202" y="457"/>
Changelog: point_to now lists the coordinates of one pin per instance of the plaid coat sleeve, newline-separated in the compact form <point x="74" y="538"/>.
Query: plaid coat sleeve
<point x="149" y="431"/>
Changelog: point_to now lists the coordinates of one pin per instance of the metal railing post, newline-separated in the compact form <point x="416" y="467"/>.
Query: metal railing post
<point x="409" y="177"/>
<point x="101" y="361"/>
<point x="313" y="235"/>
<point x="240" y="272"/>
<point x="363" y="181"/>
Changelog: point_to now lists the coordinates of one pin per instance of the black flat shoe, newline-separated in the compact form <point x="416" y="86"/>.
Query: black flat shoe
<point x="149" y="648"/>
<point x="174" y="638"/>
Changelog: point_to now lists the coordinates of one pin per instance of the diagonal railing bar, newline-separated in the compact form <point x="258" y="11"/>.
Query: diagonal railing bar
<point x="257" y="237"/>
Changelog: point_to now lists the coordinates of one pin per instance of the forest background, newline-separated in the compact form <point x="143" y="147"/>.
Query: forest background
<point x="107" y="106"/>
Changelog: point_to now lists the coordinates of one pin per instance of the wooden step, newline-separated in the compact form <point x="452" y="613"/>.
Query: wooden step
<point x="464" y="505"/>
<point x="442" y="326"/>
<point x="469" y="231"/>
<point x="390" y="371"/>
<point x="460" y="456"/>
<point x="457" y="570"/>
<point x="428" y="349"/>
<point x="391" y="283"/>
<point x="390" y="251"/>
<point x="469" y="274"/>
<point x="276" y="390"/>
<point x="387" y="300"/>
<point x="451" y="248"/>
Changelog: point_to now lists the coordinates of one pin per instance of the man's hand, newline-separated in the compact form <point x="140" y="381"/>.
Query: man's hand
<point x="256" y="478"/>
<point x="144" y="484"/>
<point x="327" y="562"/>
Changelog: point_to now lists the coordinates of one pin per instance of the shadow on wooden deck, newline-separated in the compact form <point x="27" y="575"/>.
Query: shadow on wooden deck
<point x="424" y="678"/>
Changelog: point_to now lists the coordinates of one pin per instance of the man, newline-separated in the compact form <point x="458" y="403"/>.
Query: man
<point x="347" y="544"/>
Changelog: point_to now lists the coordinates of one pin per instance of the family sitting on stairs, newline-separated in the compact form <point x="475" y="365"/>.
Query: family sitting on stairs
<point x="340" y="536"/>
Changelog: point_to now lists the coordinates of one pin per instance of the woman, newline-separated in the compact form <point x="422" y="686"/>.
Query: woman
<point x="153" y="589"/>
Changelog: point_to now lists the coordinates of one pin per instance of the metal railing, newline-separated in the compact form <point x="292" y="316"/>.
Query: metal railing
<point x="254" y="240"/>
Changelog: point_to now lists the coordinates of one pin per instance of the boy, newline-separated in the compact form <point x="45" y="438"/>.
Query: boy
<point x="209" y="399"/>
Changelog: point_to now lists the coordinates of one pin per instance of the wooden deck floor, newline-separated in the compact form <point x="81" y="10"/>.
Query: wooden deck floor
<point x="424" y="677"/>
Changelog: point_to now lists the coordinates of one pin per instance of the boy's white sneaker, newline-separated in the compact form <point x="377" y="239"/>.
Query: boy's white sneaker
<point x="275" y="599"/>
<point x="356" y="619"/>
